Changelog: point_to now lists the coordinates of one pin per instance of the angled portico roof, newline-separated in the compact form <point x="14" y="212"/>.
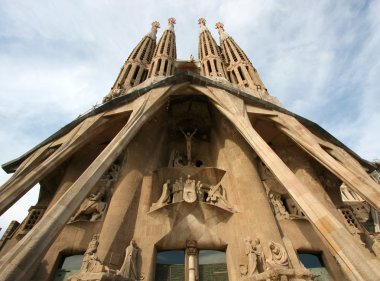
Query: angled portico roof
<point x="182" y="77"/>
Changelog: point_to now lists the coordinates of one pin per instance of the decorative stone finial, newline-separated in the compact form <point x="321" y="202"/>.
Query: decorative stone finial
<point x="220" y="27"/>
<point x="155" y="25"/>
<point x="202" y="24"/>
<point x="153" y="32"/>
<point x="171" y="23"/>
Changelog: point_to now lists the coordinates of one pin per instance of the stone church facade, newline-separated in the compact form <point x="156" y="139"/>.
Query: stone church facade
<point x="190" y="170"/>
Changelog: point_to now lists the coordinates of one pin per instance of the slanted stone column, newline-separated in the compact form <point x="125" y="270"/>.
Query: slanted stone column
<point x="356" y="261"/>
<point x="17" y="263"/>
<point x="358" y="181"/>
<point x="24" y="180"/>
<point x="142" y="157"/>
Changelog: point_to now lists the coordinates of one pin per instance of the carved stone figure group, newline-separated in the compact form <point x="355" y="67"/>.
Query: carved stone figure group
<point x="190" y="191"/>
<point x="91" y="263"/>
<point x="257" y="263"/>
<point x="94" y="206"/>
<point x="289" y="210"/>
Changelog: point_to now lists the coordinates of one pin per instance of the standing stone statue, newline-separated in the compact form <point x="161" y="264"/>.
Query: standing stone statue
<point x="200" y="192"/>
<point x="252" y="257"/>
<point x="129" y="269"/>
<point x="278" y="256"/>
<point x="189" y="193"/>
<point x="188" y="137"/>
<point x="260" y="254"/>
<point x="178" y="191"/>
<point x="165" y="196"/>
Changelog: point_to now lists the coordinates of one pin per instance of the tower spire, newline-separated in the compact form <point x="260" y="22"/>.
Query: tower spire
<point x="239" y="68"/>
<point x="165" y="53"/>
<point x="135" y="68"/>
<point x="209" y="53"/>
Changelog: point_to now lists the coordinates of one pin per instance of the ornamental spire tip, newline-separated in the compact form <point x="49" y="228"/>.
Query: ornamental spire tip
<point x="220" y="27"/>
<point x="153" y="32"/>
<point x="202" y="24"/>
<point x="172" y="21"/>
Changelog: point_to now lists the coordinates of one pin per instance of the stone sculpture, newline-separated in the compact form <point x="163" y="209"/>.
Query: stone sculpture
<point x="92" y="206"/>
<point x="278" y="205"/>
<point x="178" y="191"/>
<point x="200" y="192"/>
<point x="217" y="196"/>
<point x="176" y="159"/>
<point x="189" y="193"/>
<point x="260" y="255"/>
<point x="90" y="262"/>
<point x="128" y="269"/>
<point x="278" y="256"/>
<point x="188" y="137"/>
<point x="165" y="195"/>
<point x="90" y="258"/>
<point x="251" y="254"/>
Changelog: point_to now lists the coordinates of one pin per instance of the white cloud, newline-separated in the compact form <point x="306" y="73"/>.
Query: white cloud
<point x="57" y="59"/>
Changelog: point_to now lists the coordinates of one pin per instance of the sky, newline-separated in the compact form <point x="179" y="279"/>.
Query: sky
<point x="321" y="59"/>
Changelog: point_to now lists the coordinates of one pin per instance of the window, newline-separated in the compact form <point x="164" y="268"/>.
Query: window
<point x="69" y="265"/>
<point x="205" y="265"/>
<point x="313" y="262"/>
<point x="170" y="266"/>
<point x="212" y="265"/>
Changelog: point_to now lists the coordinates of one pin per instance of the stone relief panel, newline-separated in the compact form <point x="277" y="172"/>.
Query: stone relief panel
<point x="94" y="206"/>
<point x="190" y="184"/>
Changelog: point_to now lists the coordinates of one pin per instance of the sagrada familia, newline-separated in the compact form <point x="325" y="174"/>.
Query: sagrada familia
<point x="190" y="170"/>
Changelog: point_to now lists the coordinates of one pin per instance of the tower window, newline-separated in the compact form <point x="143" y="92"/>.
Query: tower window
<point x="165" y="67"/>
<point x="209" y="67"/>
<point x="241" y="74"/>
<point x="135" y="75"/>
<point x="151" y="70"/>
<point x="216" y="67"/>
<point x="125" y="75"/>
<point x="163" y="43"/>
<point x="144" y="75"/>
<point x="232" y="51"/>
<point x="158" y="67"/>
